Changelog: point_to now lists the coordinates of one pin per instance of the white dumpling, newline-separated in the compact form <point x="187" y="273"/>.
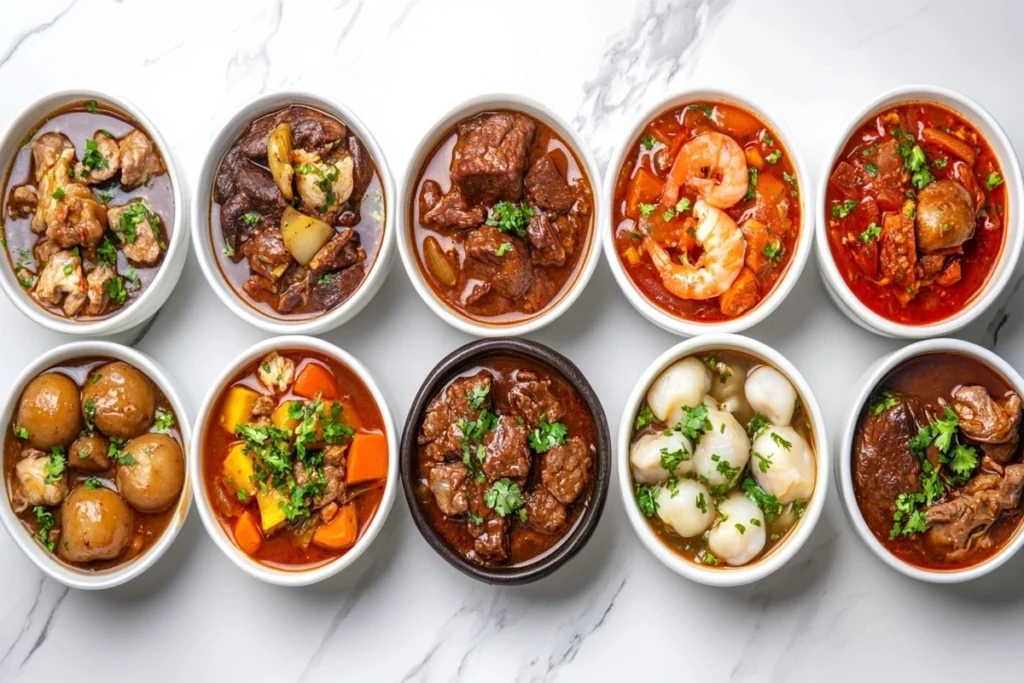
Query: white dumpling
<point x="786" y="473"/>
<point x="687" y="508"/>
<point x="726" y="380"/>
<point x="770" y="393"/>
<point x="726" y="442"/>
<point x="645" y="456"/>
<point x="684" y="383"/>
<point x="739" y="535"/>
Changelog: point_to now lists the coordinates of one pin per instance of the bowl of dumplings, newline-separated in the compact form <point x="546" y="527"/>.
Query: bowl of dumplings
<point x="723" y="462"/>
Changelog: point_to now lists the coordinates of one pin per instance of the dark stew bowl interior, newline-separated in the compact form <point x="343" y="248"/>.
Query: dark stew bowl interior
<point x="551" y="487"/>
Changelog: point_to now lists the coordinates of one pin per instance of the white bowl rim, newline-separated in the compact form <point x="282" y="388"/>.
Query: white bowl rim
<point x="53" y="568"/>
<point x="844" y="445"/>
<point x="281" y="577"/>
<point x="1014" y="238"/>
<point x="782" y="288"/>
<point x="731" y="576"/>
<point x="202" y="188"/>
<point x="463" y="110"/>
<point x="177" y="247"/>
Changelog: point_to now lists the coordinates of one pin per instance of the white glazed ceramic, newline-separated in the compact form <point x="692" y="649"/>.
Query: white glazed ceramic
<point x="407" y="248"/>
<point x="650" y="310"/>
<point x="202" y="193"/>
<point x="861" y="393"/>
<point x="154" y="296"/>
<point x="205" y="420"/>
<point x="724" y="576"/>
<point x="847" y="301"/>
<point x="54" y="568"/>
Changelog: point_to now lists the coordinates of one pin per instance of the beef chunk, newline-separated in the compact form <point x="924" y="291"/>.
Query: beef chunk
<point x="257" y="184"/>
<point x="490" y="157"/>
<point x="294" y="289"/>
<point x="362" y="169"/>
<point x="883" y="466"/>
<point x="546" y="186"/>
<point x="507" y="455"/>
<point x="266" y="253"/>
<point x="541" y="292"/>
<point x="140" y="160"/>
<point x="491" y="539"/>
<point x="961" y="522"/>
<point x="311" y="130"/>
<point x="544" y="512"/>
<point x="328" y="293"/>
<point x="447" y="212"/>
<point x="847" y="178"/>
<point x="545" y="243"/>
<point x="531" y="399"/>
<point x="898" y="254"/>
<point x="454" y="403"/>
<point x="340" y="252"/>
<point x="252" y="189"/>
<point x="445" y="482"/>
<point x="22" y="202"/>
<point x="224" y="183"/>
<point x="510" y="274"/>
<point x="993" y="424"/>
<point x="565" y="469"/>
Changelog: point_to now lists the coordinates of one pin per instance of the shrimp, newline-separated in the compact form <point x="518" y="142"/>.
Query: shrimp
<point x="714" y="165"/>
<point x="717" y="268"/>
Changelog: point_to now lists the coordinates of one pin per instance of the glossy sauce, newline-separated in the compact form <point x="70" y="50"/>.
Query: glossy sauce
<point x="776" y="182"/>
<point x="284" y="549"/>
<point x="935" y="302"/>
<point x="79" y="124"/>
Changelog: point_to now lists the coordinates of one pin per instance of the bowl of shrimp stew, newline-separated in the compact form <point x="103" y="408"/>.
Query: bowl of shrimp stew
<point x="709" y="218"/>
<point x="918" y="216"/>
<point x="93" y="214"/>
<point x="722" y="460"/>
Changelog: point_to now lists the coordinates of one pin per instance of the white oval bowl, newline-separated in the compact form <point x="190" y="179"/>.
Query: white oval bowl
<point x="647" y="308"/>
<point x="407" y="249"/>
<point x="226" y="545"/>
<point x="841" y="293"/>
<point x="731" y="576"/>
<point x="52" y="567"/>
<point x="154" y="296"/>
<point x="202" y="193"/>
<point x="861" y="393"/>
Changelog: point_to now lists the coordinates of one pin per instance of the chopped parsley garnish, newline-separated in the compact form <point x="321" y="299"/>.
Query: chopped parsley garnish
<point x="701" y="503"/>
<point x="871" y="169"/>
<point x="547" y="435"/>
<point x="648" y="141"/>
<point x="510" y="217"/>
<point x="228" y="250"/>
<point x="767" y="139"/>
<point x="993" y="181"/>
<point x="20" y="432"/>
<point x="725" y="468"/>
<point x="757" y="424"/>
<point x="751" y="183"/>
<point x="643" y="418"/>
<point x="873" y="232"/>
<point x="56" y="465"/>
<point x="940" y="163"/>
<point x="58" y="194"/>
<point x="788" y="445"/>
<point x="89" y="408"/>
<point x="325" y="279"/>
<point x="132" y="276"/>
<point x="46" y="524"/>
<point x="774" y="157"/>
<point x="914" y="160"/>
<point x="91" y="106"/>
<point x="504" y="497"/>
<point x="116" y="291"/>
<point x="93" y="483"/>
<point x="106" y="252"/>
<point x="93" y="158"/>
<point x="843" y="209"/>
<point x="131" y="218"/>
<point x="670" y="460"/>
<point x="473" y="432"/>
<point x="768" y="503"/>
<point x="694" y="422"/>
<point x="772" y="251"/>
<point x="740" y="528"/>
<point x="718" y="367"/>
<point x="164" y="421"/>
<point x="647" y="209"/>
<point x="883" y="402"/>
<point x="477" y="395"/>
<point x="964" y="460"/>
<point x="683" y="205"/>
<point x="764" y="462"/>
<point x="646" y="499"/>
<point x="791" y="181"/>
<point x="251" y="218"/>
<point x="503" y="248"/>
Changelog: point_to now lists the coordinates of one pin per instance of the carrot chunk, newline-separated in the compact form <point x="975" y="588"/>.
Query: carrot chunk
<point x="367" y="458"/>
<point x="247" y="534"/>
<point x="341" y="532"/>
<point x="644" y="188"/>
<point x="316" y="379"/>
<point x="950" y="144"/>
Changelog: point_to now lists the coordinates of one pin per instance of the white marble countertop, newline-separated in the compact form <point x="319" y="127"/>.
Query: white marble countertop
<point x="614" y="613"/>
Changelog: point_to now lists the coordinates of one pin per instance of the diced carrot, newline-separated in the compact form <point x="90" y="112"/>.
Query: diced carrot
<point x="367" y="458"/>
<point x="315" y="379"/>
<point x="340" y="532"/>
<point x="349" y="415"/>
<point x="644" y="188"/>
<point x="950" y="144"/>
<point x="754" y="158"/>
<point x="247" y="534"/>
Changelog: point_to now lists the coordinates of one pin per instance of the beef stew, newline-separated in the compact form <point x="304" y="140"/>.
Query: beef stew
<point x="502" y="217"/>
<point x="937" y="462"/>
<point x="295" y="459"/>
<point x="94" y="462"/>
<point x="297" y="213"/>
<point x="88" y="207"/>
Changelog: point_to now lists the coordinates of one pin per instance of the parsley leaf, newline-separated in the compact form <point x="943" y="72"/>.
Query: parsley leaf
<point x="510" y="217"/>
<point x="757" y="424"/>
<point x="751" y="183"/>
<point x="768" y="503"/>
<point x="504" y="497"/>
<point x="843" y="209"/>
<point x="477" y="395"/>
<point x="764" y="462"/>
<point x="646" y="499"/>
<point x="56" y="465"/>
<point x="964" y="460"/>
<point x="647" y="209"/>
<point x="718" y="367"/>
<point x="164" y="421"/>
<point x="643" y="418"/>
<point x="648" y="141"/>
<point x="993" y="181"/>
<point x="772" y="251"/>
<point x="251" y="218"/>
<point x="694" y="422"/>
<point x="883" y="402"/>
<point x="46" y="524"/>
<point x="774" y="157"/>
<point x="788" y="445"/>
<point x="547" y="435"/>
<point x="503" y="248"/>
<point x="670" y="460"/>
<point x="873" y="232"/>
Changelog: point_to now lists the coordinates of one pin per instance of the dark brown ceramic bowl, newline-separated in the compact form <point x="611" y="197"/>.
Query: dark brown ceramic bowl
<point x="458" y="361"/>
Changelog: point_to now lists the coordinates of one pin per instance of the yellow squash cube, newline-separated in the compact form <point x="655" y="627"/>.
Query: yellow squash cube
<point x="271" y="514"/>
<point x="281" y="420"/>
<point x="238" y="470"/>
<point x="237" y="407"/>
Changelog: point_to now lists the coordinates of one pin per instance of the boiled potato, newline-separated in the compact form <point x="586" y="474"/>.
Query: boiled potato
<point x="151" y="472"/>
<point x="96" y="524"/>
<point x="279" y="155"/>
<point x="303" y="235"/>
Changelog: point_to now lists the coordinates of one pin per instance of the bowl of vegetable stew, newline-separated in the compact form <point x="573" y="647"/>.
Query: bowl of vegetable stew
<point x="918" y="214"/>
<point x="296" y="460"/>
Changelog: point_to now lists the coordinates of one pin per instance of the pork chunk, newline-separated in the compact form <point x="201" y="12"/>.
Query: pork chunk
<point x="140" y="160"/>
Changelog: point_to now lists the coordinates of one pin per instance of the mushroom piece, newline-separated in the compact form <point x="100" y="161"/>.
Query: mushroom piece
<point x="62" y="278"/>
<point x="945" y="216"/>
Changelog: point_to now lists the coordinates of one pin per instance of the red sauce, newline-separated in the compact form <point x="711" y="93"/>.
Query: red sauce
<point x="857" y="260"/>
<point x="775" y="203"/>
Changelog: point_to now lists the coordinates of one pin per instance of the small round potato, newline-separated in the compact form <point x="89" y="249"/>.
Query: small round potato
<point x="121" y="399"/>
<point x="89" y="453"/>
<point x="96" y="524"/>
<point x="152" y="477"/>
<point x="50" y="411"/>
<point x="945" y="216"/>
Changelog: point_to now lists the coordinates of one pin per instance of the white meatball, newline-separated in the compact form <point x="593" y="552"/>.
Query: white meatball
<point x="733" y="377"/>
<point x="723" y="449"/>
<point x="33" y="486"/>
<point x="786" y="473"/>
<point x="687" y="508"/>
<point x="684" y="383"/>
<point x="739" y="535"/>
<point x="646" y="453"/>
<point x="770" y="393"/>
